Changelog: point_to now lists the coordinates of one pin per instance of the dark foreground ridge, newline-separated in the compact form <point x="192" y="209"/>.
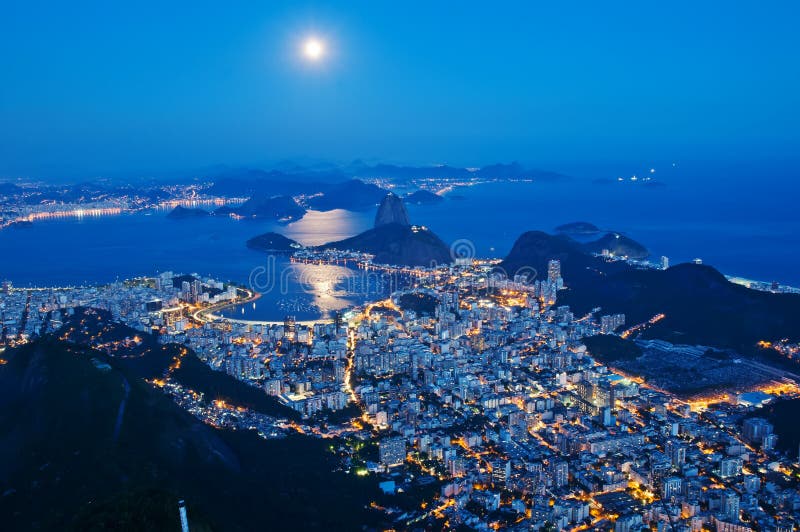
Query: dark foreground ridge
<point x="77" y="467"/>
<point x="151" y="360"/>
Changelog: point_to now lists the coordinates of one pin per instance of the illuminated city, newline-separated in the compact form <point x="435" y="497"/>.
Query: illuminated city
<point x="374" y="266"/>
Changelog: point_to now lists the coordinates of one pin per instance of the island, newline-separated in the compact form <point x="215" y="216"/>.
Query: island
<point x="578" y="228"/>
<point x="280" y="208"/>
<point x="395" y="241"/>
<point x="182" y="213"/>
<point x="273" y="243"/>
<point x="423" y="197"/>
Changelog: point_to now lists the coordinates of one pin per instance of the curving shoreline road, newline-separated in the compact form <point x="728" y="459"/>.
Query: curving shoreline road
<point x="207" y="314"/>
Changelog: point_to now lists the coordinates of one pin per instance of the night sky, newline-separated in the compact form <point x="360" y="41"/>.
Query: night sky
<point x="157" y="86"/>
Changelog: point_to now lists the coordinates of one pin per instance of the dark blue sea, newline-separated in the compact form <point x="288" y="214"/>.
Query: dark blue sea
<point x="742" y="221"/>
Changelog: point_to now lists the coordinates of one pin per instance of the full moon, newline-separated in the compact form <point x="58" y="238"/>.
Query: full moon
<point x="313" y="49"/>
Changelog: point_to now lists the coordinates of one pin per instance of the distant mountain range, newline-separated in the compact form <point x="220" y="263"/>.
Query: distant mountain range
<point x="342" y="188"/>
<point x="512" y="170"/>
<point x="274" y="199"/>
<point x="293" y="180"/>
<point x="317" y="186"/>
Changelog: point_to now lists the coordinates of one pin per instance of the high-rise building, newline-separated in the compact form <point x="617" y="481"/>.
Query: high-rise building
<point x="183" y="517"/>
<point x="610" y="323"/>
<point x="671" y="487"/>
<point x="289" y="328"/>
<point x="676" y="452"/>
<point x="339" y="371"/>
<point x="628" y="523"/>
<point x="769" y="441"/>
<point x="755" y="428"/>
<point x="730" y="467"/>
<point x="607" y="415"/>
<point x="559" y="473"/>
<point x="501" y="471"/>
<point x="752" y="484"/>
<point x="554" y="271"/>
<point x="729" y="505"/>
<point x="392" y="451"/>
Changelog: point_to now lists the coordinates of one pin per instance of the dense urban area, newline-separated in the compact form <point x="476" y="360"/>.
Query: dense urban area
<point x="470" y="398"/>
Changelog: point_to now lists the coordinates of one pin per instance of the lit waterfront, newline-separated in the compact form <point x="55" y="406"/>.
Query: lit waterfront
<point x="60" y="212"/>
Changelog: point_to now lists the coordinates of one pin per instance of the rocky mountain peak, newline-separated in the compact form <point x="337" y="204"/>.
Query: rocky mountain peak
<point x="392" y="211"/>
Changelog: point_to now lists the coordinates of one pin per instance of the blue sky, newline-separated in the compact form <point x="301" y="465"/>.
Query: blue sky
<point x="151" y="86"/>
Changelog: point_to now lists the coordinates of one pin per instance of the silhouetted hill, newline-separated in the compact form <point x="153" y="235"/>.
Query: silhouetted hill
<point x="271" y="208"/>
<point x="398" y="244"/>
<point x="608" y="348"/>
<point x="59" y="416"/>
<point x="701" y="306"/>
<point x="618" y="245"/>
<point x="419" y="302"/>
<point x="783" y="414"/>
<point x="273" y="243"/>
<point x="353" y="195"/>
<point x="180" y="213"/>
<point x="534" y="249"/>
<point x="94" y="447"/>
<point x="196" y="375"/>
<point x="391" y="211"/>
